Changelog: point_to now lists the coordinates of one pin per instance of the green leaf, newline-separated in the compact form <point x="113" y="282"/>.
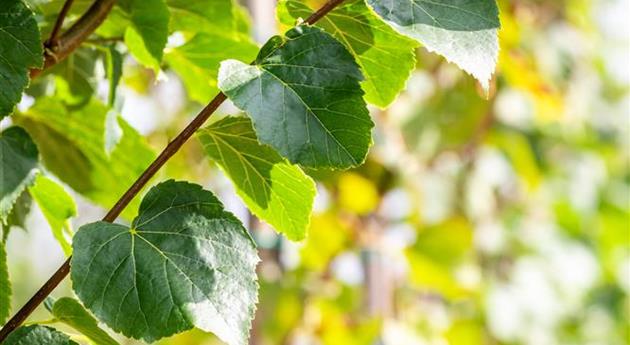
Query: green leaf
<point x="57" y="206"/>
<point x="113" y="67"/>
<point x="304" y="98"/>
<point x="5" y="285"/>
<point x="385" y="57"/>
<point x="71" y="312"/>
<point x="184" y="263"/>
<point x="221" y="17"/>
<point x="18" y="167"/>
<point x="197" y="61"/>
<point x="275" y="190"/>
<point x="463" y="31"/>
<point x="72" y="144"/>
<point x="76" y="80"/>
<point x="20" y="50"/>
<point x="146" y="36"/>
<point x="19" y="212"/>
<point x="37" y="334"/>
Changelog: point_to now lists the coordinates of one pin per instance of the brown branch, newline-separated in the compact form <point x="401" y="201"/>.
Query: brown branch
<point x="54" y="34"/>
<point x="75" y="35"/>
<point x="73" y="38"/>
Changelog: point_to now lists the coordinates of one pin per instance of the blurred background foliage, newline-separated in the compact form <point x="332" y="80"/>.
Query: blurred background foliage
<point x="478" y="219"/>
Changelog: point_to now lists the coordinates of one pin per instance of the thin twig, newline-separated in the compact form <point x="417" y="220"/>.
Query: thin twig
<point x="135" y="188"/>
<point x="76" y="34"/>
<point x="51" y="43"/>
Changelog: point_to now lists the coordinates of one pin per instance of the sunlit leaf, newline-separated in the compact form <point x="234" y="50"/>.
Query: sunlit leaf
<point x="185" y="262"/>
<point x="37" y="334"/>
<point x="57" y="206"/>
<point x="275" y="190"/>
<point x="386" y="58"/>
<point x="304" y="98"/>
<point x="464" y="32"/>
<point x="71" y="312"/>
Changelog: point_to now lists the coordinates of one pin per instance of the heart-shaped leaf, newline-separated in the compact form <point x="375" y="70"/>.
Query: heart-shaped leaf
<point x="304" y="98"/>
<point x="185" y="262"/>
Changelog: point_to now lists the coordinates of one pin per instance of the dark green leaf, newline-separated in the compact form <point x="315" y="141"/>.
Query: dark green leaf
<point x="385" y="57"/>
<point x="147" y="34"/>
<point x="71" y="312"/>
<point x="304" y="98"/>
<point x="18" y="167"/>
<point x="5" y="285"/>
<point x="72" y="144"/>
<point x="184" y="263"/>
<point x="57" y="206"/>
<point x="38" y="335"/>
<point x="20" y="50"/>
<point x="463" y="31"/>
<point x="275" y="190"/>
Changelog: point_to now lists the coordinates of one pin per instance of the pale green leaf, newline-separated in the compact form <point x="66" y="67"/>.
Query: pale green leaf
<point x="385" y="56"/>
<point x="5" y="285"/>
<point x="273" y="189"/>
<point x="75" y="76"/>
<point x="304" y="98"/>
<point x="38" y="335"/>
<point x="184" y="263"/>
<point x="57" y="206"/>
<point x="147" y="34"/>
<point x="219" y="17"/>
<point x="197" y="61"/>
<point x="71" y="312"/>
<point x="463" y="31"/>
<point x="18" y="167"/>
<point x="72" y="145"/>
<point x="20" y="50"/>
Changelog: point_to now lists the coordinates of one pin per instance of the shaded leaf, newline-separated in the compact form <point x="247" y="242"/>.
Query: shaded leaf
<point x="18" y="167"/>
<point x="37" y="334"/>
<point x="71" y="312"/>
<point x="20" y="50"/>
<point x="304" y="98"/>
<point x="275" y="190"/>
<point x="57" y="206"/>
<point x="386" y="58"/>
<point x="113" y="67"/>
<point x="464" y="32"/>
<point x="76" y="80"/>
<point x="184" y="263"/>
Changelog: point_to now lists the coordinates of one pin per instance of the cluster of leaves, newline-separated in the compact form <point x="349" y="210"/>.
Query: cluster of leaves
<point x="186" y="262"/>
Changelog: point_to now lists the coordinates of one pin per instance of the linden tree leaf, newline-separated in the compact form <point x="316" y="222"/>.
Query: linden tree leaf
<point x="275" y="190"/>
<point x="463" y="31"/>
<point x="5" y="285"/>
<point x="385" y="56"/>
<point x="57" y="206"/>
<point x="197" y="61"/>
<point x="71" y="312"/>
<point x="20" y="50"/>
<point x="73" y="146"/>
<point x="304" y="99"/>
<point x="147" y="34"/>
<point x="38" y="334"/>
<point x="18" y="167"/>
<point x="185" y="262"/>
